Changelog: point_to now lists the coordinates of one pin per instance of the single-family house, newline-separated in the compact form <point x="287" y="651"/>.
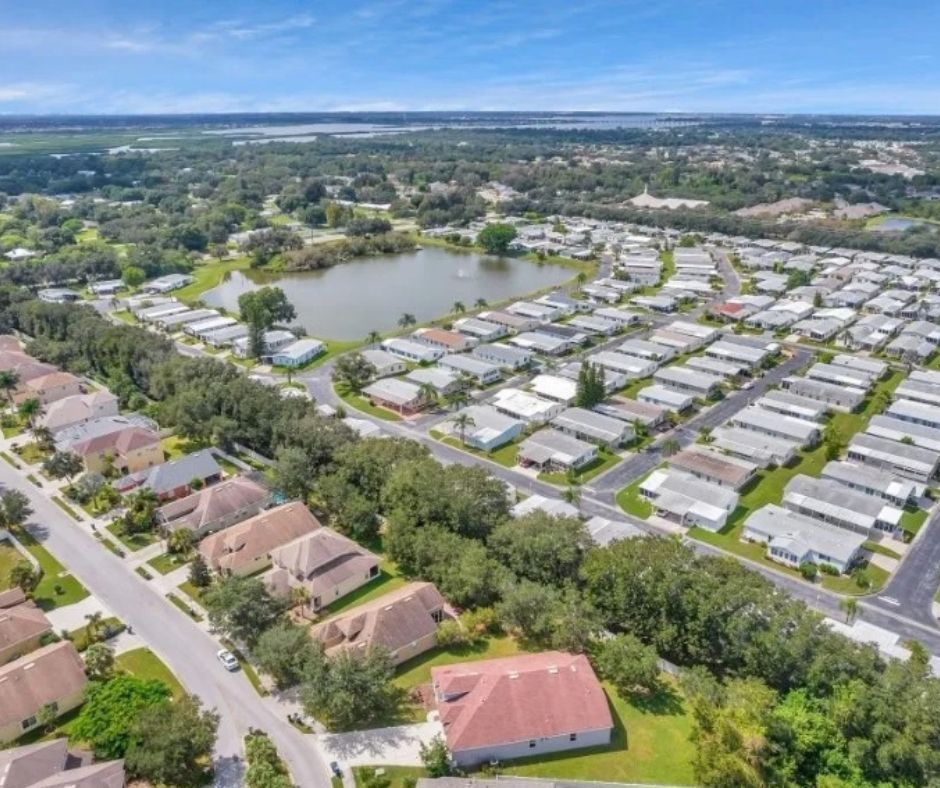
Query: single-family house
<point x="687" y="500"/>
<point x="48" y="388"/>
<point x="805" y="433"/>
<point x="384" y="363"/>
<point x="23" y="627"/>
<point x="869" y="480"/>
<point x="165" y="284"/>
<point x="593" y="427"/>
<point x="630" y="366"/>
<point x="52" y="677"/>
<point x="648" y="351"/>
<point x="489" y="429"/>
<point x="531" y="704"/>
<point x="298" y="353"/>
<point x="401" y="396"/>
<point x="174" y="479"/>
<point x="129" y="449"/>
<point x="550" y="449"/>
<point x="403" y="623"/>
<point x="214" y="508"/>
<point x="503" y="355"/>
<point x="483" y="330"/>
<point x="724" y="470"/>
<point x="841" y="398"/>
<point x="410" y="350"/>
<point x="788" y="404"/>
<point x="667" y="398"/>
<point x="49" y="764"/>
<point x="541" y="342"/>
<point x="444" y="381"/>
<point x="78" y="409"/>
<point x="526" y="407"/>
<point x="633" y="412"/>
<point x="793" y="539"/>
<point x="758" y="447"/>
<point x="244" y="548"/>
<point x="900" y="459"/>
<point x="913" y="433"/>
<point x="483" y="372"/>
<point x="448" y="341"/>
<point x="688" y="381"/>
<point x="555" y="388"/>
<point x="834" y="503"/>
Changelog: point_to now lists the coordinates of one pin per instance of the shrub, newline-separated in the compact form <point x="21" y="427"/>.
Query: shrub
<point x="809" y="571"/>
<point x="829" y="569"/>
<point x="450" y="634"/>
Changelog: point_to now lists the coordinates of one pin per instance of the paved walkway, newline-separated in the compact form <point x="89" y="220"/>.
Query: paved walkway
<point x="72" y="617"/>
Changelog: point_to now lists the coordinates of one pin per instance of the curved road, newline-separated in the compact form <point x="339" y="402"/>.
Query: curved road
<point x="188" y="650"/>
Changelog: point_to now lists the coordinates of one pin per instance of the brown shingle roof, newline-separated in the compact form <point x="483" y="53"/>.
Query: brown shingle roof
<point x="321" y="561"/>
<point x="50" y="381"/>
<point x="11" y="597"/>
<point x="20" y="624"/>
<point x="241" y="544"/>
<point x="391" y="621"/>
<point x="213" y="503"/>
<point x="515" y="699"/>
<point x="23" y="766"/>
<point x="121" y="441"/>
<point x="48" y="674"/>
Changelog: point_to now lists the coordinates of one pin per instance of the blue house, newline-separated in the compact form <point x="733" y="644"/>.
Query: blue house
<point x="298" y="353"/>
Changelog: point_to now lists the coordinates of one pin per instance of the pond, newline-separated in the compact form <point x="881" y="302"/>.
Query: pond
<point x="348" y="301"/>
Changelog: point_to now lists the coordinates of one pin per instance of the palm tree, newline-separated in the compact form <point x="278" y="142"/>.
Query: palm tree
<point x="29" y="409"/>
<point x="373" y="337"/>
<point x="849" y="606"/>
<point x="571" y="495"/>
<point x="43" y="437"/>
<point x="407" y="319"/>
<point x="461" y="421"/>
<point x="669" y="447"/>
<point x="581" y="278"/>
<point x="428" y="393"/>
<point x="459" y="307"/>
<point x="94" y="626"/>
<point x="480" y="303"/>
<point x="9" y="380"/>
<point x="706" y="434"/>
<point x="299" y="597"/>
<point x="458" y="399"/>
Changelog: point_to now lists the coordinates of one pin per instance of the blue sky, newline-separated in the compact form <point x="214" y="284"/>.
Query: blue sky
<point x="88" y="56"/>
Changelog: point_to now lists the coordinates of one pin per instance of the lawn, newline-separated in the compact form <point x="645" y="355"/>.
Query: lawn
<point x="417" y="671"/>
<point x="397" y="775"/>
<point x="132" y="542"/>
<point x="110" y="626"/>
<point x="650" y="744"/>
<point x="208" y="276"/>
<point x="193" y="592"/>
<point x="604" y="462"/>
<point x="31" y="453"/>
<point x="630" y="390"/>
<point x="125" y="317"/>
<point x="912" y="521"/>
<point x="142" y="663"/>
<point x="185" y="607"/>
<point x="630" y="500"/>
<point x="388" y="580"/>
<point x="57" y="588"/>
<point x="358" y="402"/>
<point x="505" y="455"/>
<point x="167" y="562"/>
<point x="334" y="348"/>
<point x="175" y="447"/>
<point x="66" y="508"/>
<point x="9" y="557"/>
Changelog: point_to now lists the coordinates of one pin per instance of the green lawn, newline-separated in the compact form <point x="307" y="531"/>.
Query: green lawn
<point x="132" y="542"/>
<point x="209" y="275"/>
<point x="125" y="317"/>
<point x="79" y="637"/>
<point x="57" y="588"/>
<point x="504" y="455"/>
<point x="31" y="453"/>
<point x="175" y="447"/>
<point x="604" y="462"/>
<point x="334" y="348"/>
<point x="397" y="775"/>
<point x="388" y="580"/>
<point x="650" y="744"/>
<point x="913" y="520"/>
<point x="9" y="557"/>
<point x="66" y="508"/>
<point x="630" y="390"/>
<point x="86" y="235"/>
<point x="630" y="500"/>
<point x="167" y="562"/>
<point x="358" y="402"/>
<point x="144" y="664"/>
<point x="184" y="607"/>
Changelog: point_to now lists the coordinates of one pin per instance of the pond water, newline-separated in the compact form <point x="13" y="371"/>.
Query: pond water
<point x="349" y="300"/>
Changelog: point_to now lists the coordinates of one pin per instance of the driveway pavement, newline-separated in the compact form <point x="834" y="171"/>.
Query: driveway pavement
<point x="398" y="746"/>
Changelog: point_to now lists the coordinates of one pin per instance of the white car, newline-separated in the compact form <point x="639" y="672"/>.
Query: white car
<point x="228" y="660"/>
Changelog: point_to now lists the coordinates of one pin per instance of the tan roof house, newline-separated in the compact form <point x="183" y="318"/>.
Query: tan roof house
<point x="79" y="409"/>
<point x="48" y="764"/>
<point x="48" y="388"/>
<point x="21" y="629"/>
<point x="245" y="548"/>
<point x="51" y="676"/>
<point x="532" y="704"/>
<point x="324" y="563"/>
<point x="216" y="507"/>
<point x="131" y="448"/>
<point x="403" y="622"/>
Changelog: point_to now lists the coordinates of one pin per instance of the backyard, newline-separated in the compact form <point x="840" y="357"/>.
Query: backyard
<point x="9" y="557"/>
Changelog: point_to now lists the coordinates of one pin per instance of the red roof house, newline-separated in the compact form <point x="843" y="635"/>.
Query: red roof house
<point x="515" y="707"/>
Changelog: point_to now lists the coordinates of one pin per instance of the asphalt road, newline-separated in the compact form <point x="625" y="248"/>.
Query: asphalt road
<point x="188" y="650"/>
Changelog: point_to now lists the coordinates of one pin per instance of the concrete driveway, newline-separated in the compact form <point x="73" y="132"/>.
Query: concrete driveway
<point x="398" y="746"/>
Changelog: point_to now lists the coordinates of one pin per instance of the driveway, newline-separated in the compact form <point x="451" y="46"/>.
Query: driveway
<point x="398" y="746"/>
<point x="71" y="617"/>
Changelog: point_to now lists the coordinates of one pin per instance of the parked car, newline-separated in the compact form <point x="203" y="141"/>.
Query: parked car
<point x="228" y="660"/>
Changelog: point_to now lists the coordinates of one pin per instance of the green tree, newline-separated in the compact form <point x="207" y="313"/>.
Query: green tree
<point x="351" y="691"/>
<point x="29" y="410"/>
<point x="495" y="238"/>
<point x="541" y="548"/>
<point x="261" y="309"/>
<point x="849" y="606"/>
<point x="373" y="338"/>
<point x="241" y="609"/>
<point x="109" y="710"/>
<point x="462" y="422"/>
<point x="292" y="472"/>
<point x="459" y="307"/>
<point x="133" y="276"/>
<point x="14" y="508"/>
<point x="353" y="371"/>
<point x="480" y="303"/>
<point x="94" y="627"/>
<point x="590" y="386"/>
<point x="25" y="576"/>
<point x="458" y="399"/>
<point x="63" y="465"/>
<point x="199" y="574"/>
<point x="436" y="757"/>
<point x="669" y="447"/>
<point x="9" y="381"/>
<point x="180" y="541"/>
<point x="631" y="666"/>
<point x="407" y="319"/>
<point x="99" y="661"/>
<point x="285" y="653"/>
<point x="171" y="743"/>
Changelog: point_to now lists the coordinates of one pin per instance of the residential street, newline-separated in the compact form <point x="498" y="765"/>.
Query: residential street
<point x="187" y="650"/>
